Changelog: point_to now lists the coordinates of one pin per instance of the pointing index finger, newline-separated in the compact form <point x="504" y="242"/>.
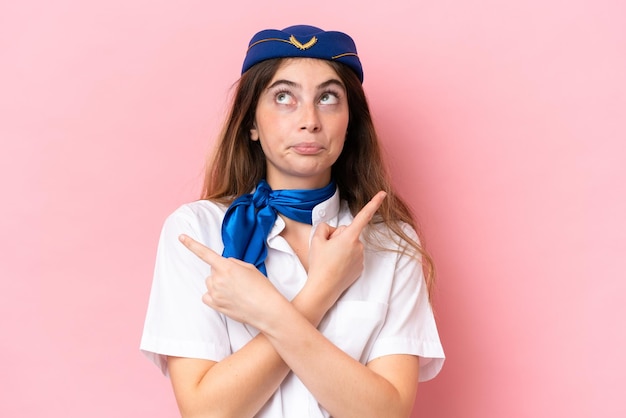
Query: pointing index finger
<point x="202" y="251"/>
<point x="366" y="214"/>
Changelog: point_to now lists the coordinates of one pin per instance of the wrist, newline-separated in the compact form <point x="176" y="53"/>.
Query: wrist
<point x="313" y="302"/>
<point x="277" y="311"/>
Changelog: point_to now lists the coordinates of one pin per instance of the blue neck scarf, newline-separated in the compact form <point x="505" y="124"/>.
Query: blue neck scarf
<point x="250" y="218"/>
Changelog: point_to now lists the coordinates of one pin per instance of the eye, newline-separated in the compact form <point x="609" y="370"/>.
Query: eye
<point x="329" y="98"/>
<point x="283" y="97"/>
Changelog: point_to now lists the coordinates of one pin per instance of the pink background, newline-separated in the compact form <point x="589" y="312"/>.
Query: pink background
<point x="505" y="125"/>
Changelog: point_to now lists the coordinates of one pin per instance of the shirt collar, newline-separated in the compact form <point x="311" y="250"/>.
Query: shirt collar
<point x="325" y="212"/>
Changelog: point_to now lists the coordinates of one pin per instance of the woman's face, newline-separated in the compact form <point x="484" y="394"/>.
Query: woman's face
<point x="301" y="121"/>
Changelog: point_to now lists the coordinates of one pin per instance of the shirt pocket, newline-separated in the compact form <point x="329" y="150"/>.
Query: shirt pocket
<point x="354" y="325"/>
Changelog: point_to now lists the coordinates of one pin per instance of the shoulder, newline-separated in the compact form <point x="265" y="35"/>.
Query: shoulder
<point x="402" y="239"/>
<point x="200" y="211"/>
<point x="201" y="220"/>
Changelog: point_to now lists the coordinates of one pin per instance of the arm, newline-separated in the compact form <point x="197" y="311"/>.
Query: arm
<point x="248" y="378"/>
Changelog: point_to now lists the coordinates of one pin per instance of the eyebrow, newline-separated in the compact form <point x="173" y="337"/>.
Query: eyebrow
<point x="331" y="82"/>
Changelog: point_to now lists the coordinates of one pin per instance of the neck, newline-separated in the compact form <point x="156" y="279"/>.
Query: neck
<point x="297" y="235"/>
<point x="297" y="183"/>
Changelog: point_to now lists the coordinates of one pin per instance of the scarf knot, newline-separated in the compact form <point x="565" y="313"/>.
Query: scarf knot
<point x="250" y="218"/>
<point x="261" y="196"/>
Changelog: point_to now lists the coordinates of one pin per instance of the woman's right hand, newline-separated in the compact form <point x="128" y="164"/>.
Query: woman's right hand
<point x="336" y="254"/>
<point x="235" y="288"/>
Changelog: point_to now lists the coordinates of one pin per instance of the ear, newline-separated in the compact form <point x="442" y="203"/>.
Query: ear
<point x="254" y="133"/>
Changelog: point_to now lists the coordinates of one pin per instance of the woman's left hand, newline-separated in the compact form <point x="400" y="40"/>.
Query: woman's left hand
<point x="235" y="288"/>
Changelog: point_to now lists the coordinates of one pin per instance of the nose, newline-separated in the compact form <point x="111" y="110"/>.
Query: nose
<point x="310" y="118"/>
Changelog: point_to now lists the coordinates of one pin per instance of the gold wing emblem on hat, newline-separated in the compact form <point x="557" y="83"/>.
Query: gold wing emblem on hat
<point x="297" y="44"/>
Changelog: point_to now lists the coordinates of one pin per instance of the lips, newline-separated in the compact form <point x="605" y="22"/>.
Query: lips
<point x="307" y="148"/>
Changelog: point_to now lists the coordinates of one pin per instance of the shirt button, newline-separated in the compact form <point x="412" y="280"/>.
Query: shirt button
<point x="321" y="213"/>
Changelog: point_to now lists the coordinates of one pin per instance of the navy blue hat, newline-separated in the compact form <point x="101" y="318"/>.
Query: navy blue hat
<point x="305" y="42"/>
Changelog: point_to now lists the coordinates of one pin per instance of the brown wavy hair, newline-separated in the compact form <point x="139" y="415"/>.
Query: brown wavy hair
<point x="238" y="164"/>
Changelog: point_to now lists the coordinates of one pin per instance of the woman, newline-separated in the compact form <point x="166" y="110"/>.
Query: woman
<point x="317" y="305"/>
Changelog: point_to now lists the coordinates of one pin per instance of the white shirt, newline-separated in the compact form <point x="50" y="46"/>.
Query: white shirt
<point x="386" y="311"/>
